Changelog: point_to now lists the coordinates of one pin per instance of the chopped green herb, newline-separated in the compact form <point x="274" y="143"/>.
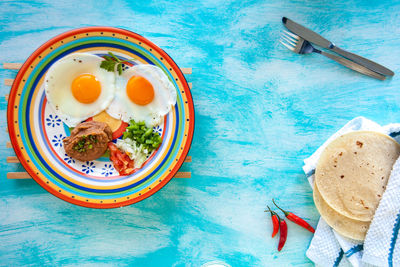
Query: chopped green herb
<point x="112" y="63"/>
<point x="143" y="135"/>
<point x="86" y="142"/>
<point x="119" y="67"/>
<point x="148" y="132"/>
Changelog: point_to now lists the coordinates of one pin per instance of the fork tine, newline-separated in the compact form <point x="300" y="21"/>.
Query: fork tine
<point x="287" y="46"/>
<point x="290" y="41"/>
<point x="291" y="35"/>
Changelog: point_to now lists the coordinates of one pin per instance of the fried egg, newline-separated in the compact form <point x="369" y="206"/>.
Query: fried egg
<point x="77" y="88"/>
<point x="143" y="93"/>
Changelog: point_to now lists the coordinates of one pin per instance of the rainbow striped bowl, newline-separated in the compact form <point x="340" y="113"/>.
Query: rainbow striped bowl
<point x="36" y="133"/>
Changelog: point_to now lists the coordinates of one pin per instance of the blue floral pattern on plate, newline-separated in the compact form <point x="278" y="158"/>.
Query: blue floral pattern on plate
<point x="157" y="129"/>
<point x="107" y="170"/>
<point x="68" y="159"/>
<point x="88" y="167"/>
<point x="53" y="121"/>
<point x="57" y="140"/>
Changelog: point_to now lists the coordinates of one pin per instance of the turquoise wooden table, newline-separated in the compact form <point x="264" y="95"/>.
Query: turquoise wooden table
<point x="260" y="110"/>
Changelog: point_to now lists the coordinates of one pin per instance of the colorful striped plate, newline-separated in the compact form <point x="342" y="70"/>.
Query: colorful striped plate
<point x="36" y="132"/>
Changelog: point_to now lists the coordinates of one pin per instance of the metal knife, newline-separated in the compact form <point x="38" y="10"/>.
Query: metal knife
<point x="317" y="39"/>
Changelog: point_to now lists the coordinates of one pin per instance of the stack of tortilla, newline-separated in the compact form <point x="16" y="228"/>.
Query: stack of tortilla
<point x="350" y="179"/>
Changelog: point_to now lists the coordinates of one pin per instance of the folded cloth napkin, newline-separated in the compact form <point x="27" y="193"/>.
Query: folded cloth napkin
<point x="329" y="248"/>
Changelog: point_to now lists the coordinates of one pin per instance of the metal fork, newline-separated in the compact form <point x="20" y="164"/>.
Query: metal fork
<point x="301" y="46"/>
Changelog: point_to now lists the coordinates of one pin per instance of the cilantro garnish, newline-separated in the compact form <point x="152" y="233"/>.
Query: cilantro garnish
<point x="111" y="62"/>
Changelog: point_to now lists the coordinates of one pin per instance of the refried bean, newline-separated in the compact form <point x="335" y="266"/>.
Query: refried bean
<point x="88" y="140"/>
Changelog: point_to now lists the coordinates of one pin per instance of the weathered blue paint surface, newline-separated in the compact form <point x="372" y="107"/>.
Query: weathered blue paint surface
<point x="260" y="110"/>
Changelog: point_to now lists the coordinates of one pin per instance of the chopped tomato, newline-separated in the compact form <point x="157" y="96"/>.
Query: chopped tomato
<point x="121" y="161"/>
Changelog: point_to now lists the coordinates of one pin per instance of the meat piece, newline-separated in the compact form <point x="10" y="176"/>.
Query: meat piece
<point x="88" y="140"/>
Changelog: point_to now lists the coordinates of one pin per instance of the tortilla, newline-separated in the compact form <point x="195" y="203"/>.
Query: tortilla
<point x="353" y="171"/>
<point x="343" y="225"/>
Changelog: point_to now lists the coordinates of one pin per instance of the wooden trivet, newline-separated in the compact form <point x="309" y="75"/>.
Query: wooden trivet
<point x="14" y="159"/>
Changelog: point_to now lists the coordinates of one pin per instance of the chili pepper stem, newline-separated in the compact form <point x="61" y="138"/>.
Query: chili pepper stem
<point x="271" y="211"/>
<point x="284" y="211"/>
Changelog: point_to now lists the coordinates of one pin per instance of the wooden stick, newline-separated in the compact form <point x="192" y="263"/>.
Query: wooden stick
<point x="7" y="95"/>
<point x="12" y="66"/>
<point x="8" y="82"/>
<point x="183" y="175"/>
<point x="18" y="175"/>
<point x="17" y="66"/>
<point x="14" y="159"/>
<point x="25" y="175"/>
<point x="186" y="70"/>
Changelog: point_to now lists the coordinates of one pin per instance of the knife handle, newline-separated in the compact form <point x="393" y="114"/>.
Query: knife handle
<point x="363" y="61"/>
<point x="354" y="66"/>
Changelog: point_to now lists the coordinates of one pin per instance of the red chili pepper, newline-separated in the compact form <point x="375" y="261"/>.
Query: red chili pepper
<point x="296" y="219"/>
<point x="283" y="233"/>
<point x="275" y="221"/>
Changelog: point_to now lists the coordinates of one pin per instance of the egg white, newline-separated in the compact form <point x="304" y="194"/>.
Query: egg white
<point x="164" y="96"/>
<point x="58" y="82"/>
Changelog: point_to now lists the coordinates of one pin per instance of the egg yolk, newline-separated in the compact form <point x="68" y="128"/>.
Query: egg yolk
<point x="139" y="90"/>
<point x="86" y="88"/>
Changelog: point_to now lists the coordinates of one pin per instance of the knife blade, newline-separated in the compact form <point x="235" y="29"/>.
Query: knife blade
<point x="317" y="39"/>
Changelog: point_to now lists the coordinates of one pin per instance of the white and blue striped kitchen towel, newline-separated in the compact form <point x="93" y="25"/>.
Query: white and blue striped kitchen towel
<point x="329" y="248"/>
